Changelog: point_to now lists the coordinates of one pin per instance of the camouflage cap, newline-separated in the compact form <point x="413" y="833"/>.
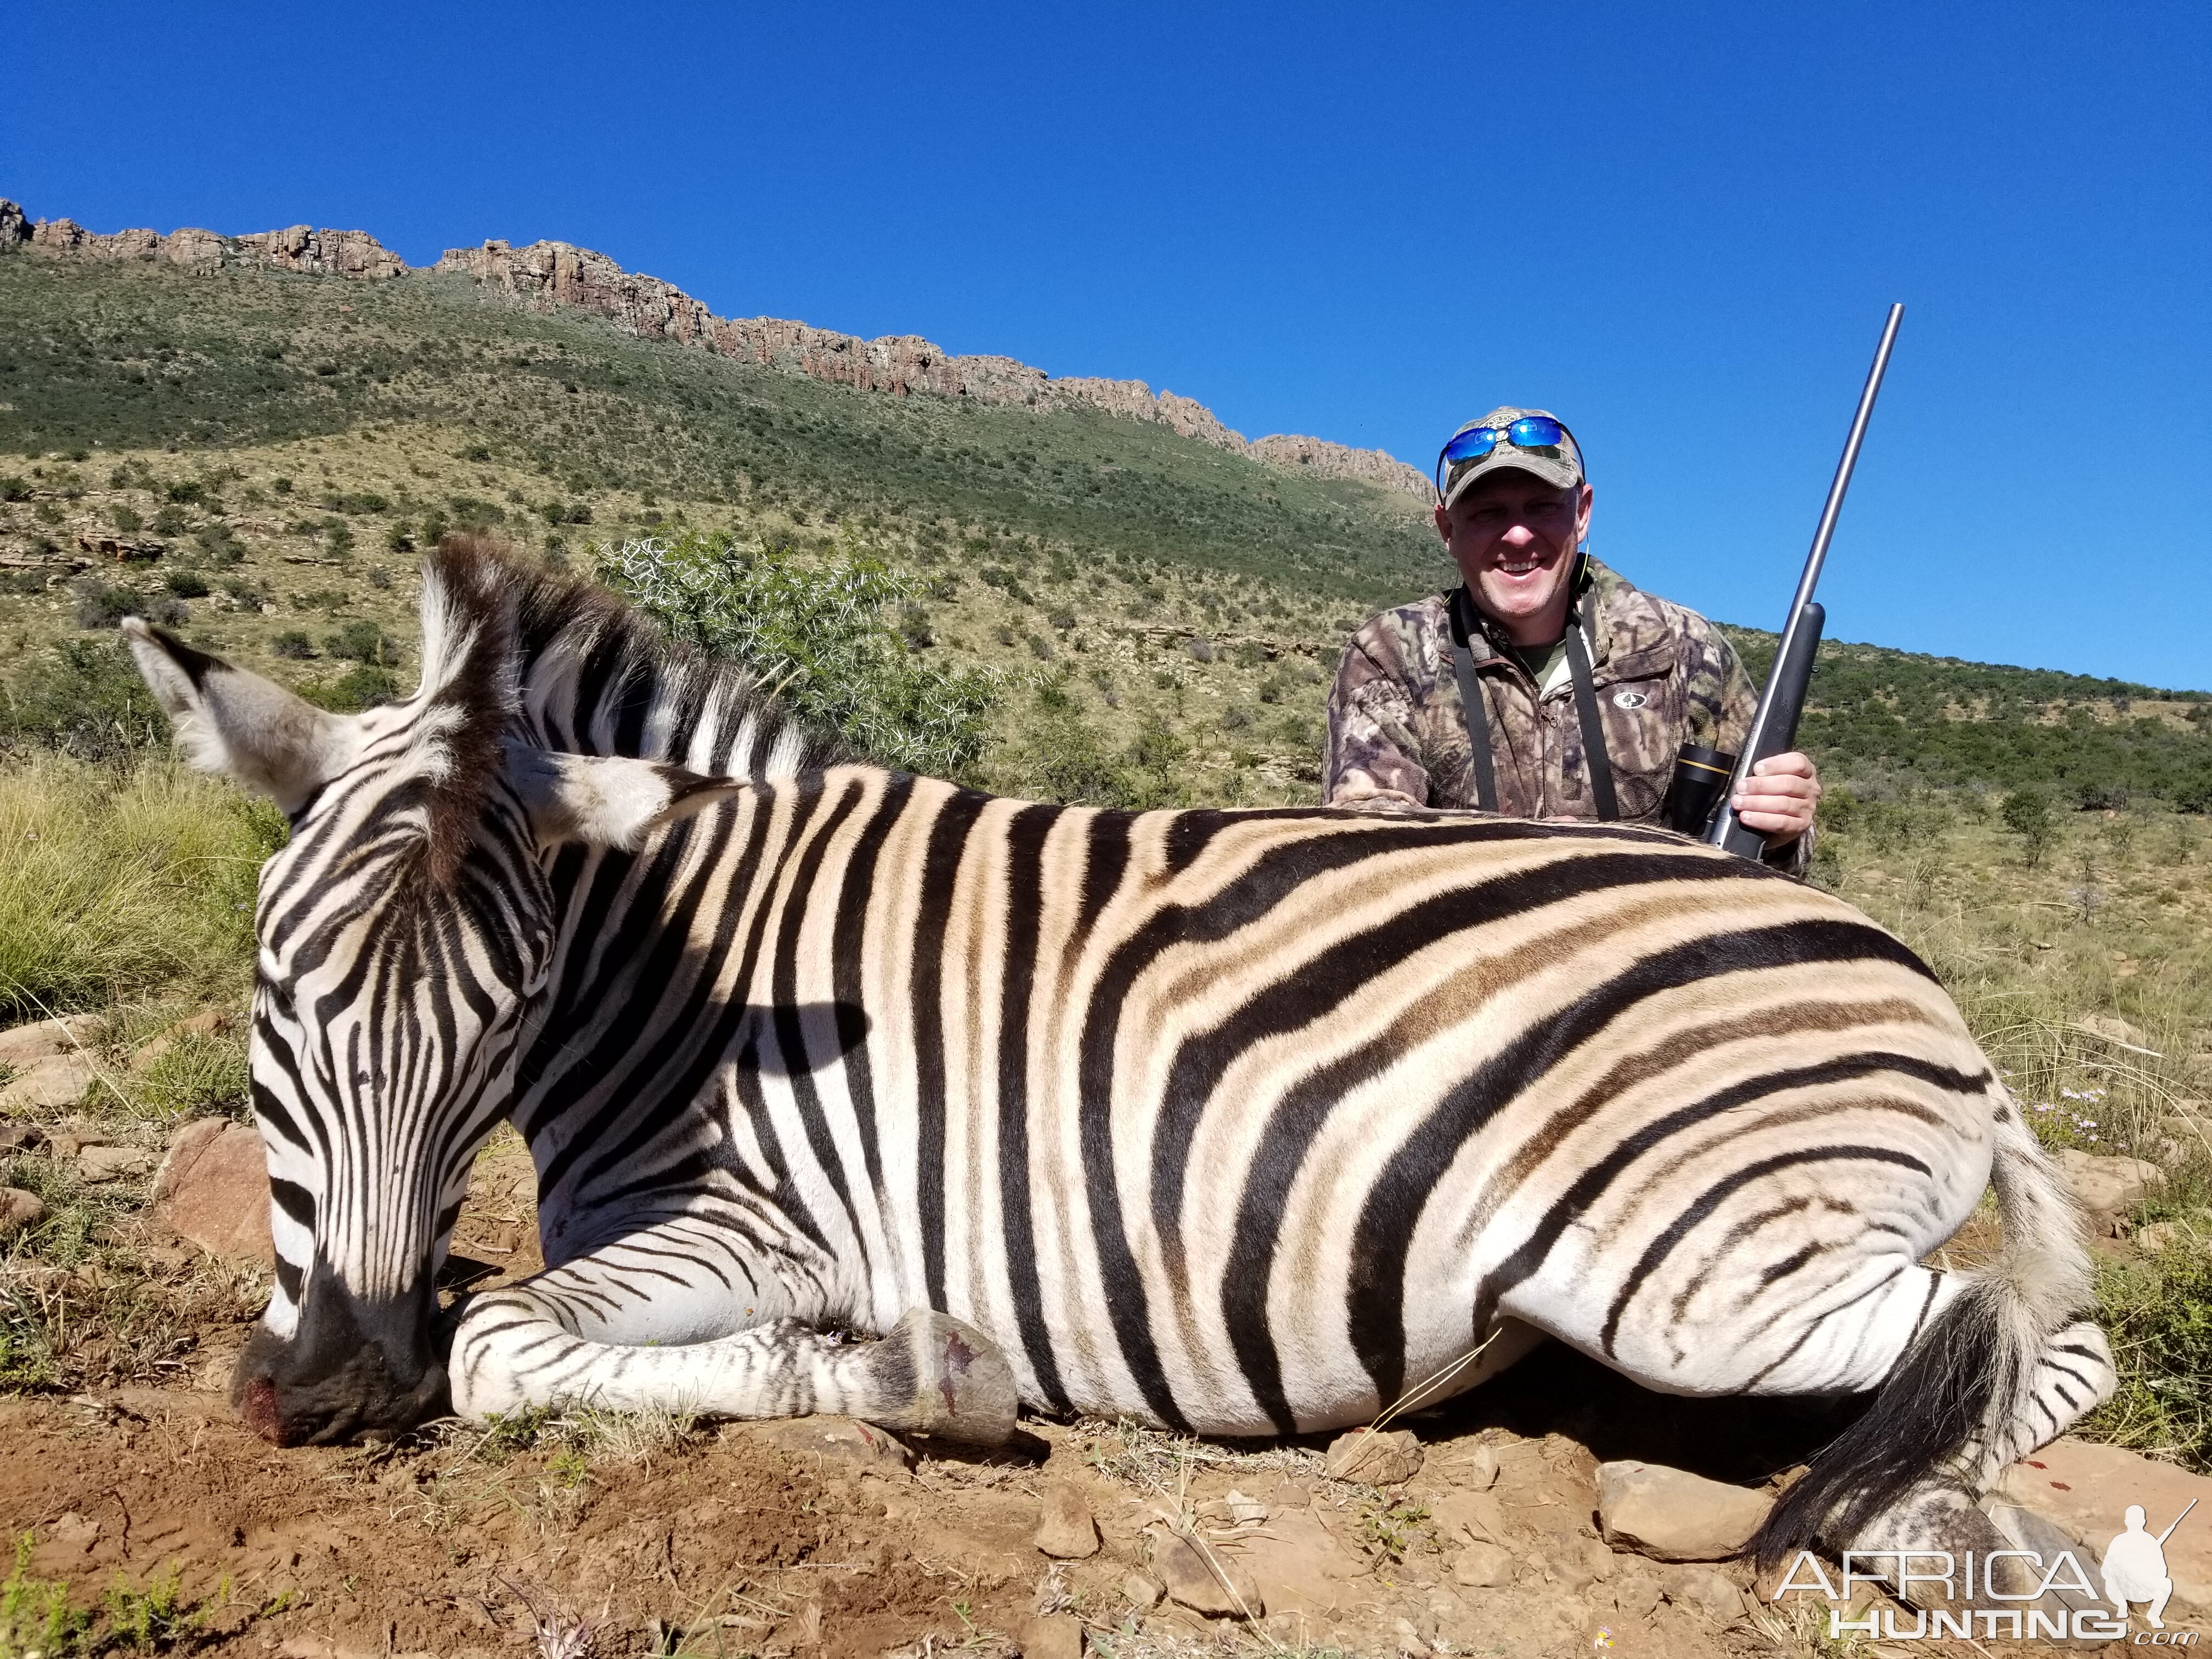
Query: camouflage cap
<point x="1562" y="465"/>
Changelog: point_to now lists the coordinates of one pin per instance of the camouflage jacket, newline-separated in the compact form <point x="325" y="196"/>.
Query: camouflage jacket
<point x="1663" y="676"/>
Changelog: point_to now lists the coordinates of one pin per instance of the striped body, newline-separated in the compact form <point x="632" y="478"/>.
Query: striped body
<point x="1252" y="1122"/>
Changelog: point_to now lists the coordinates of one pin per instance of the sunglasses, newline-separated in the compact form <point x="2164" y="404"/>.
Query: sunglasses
<point x="1473" y="443"/>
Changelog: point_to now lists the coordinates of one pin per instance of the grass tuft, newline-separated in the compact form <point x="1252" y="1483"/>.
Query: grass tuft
<point x="115" y="884"/>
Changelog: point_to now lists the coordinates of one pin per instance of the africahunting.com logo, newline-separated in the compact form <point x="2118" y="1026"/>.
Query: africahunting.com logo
<point x="2069" y="1606"/>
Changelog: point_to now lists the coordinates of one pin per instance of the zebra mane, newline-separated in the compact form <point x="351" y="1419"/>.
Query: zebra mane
<point x="506" y="642"/>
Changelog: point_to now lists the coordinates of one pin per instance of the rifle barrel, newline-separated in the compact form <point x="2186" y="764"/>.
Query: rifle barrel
<point x="1764" y="720"/>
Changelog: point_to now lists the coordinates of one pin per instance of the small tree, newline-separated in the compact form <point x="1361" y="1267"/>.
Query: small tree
<point x="824" y="633"/>
<point x="2026" y="813"/>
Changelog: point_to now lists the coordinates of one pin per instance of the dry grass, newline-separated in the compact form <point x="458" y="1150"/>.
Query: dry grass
<point x="115" y="884"/>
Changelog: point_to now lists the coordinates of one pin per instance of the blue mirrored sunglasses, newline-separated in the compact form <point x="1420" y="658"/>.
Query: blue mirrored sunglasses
<point x="1473" y="443"/>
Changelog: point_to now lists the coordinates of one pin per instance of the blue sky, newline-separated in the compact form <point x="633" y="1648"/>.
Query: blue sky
<point x="1677" y="226"/>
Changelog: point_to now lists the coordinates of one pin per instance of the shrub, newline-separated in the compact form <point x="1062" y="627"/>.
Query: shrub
<point x="2026" y="813"/>
<point x="185" y="584"/>
<point x="102" y="604"/>
<point x="293" y="643"/>
<point x="170" y="521"/>
<point x="363" y="641"/>
<point x="826" y="632"/>
<point x="126" y="517"/>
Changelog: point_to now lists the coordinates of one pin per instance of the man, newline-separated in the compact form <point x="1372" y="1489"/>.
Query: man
<point x="1588" y="686"/>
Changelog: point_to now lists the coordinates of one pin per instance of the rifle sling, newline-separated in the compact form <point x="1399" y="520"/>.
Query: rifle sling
<point x="1476" y="710"/>
<point x="1593" y="753"/>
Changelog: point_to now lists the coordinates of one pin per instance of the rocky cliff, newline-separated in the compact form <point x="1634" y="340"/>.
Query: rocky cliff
<point x="553" y="273"/>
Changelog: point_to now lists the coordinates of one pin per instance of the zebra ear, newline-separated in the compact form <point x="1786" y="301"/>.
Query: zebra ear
<point x="235" y="722"/>
<point x="606" y="800"/>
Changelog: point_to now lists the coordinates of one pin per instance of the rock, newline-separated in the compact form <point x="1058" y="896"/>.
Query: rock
<point x="1203" y="1579"/>
<point x="1053" y="1636"/>
<point x="1475" y="1517"/>
<point x="1704" y="1592"/>
<point x="19" y="1210"/>
<point x="2107" y="1186"/>
<point x="209" y="1022"/>
<point x="1483" y="1566"/>
<point x="56" y="1081"/>
<point x="1675" y="1516"/>
<point x="96" y="1164"/>
<point x="1238" y="1510"/>
<point x="2113" y="1028"/>
<point x="1578" y="1563"/>
<point x="213" y="1190"/>
<point x="1386" y="1459"/>
<point x="1475" y="1472"/>
<point x="2162" y="1236"/>
<point x="1142" y="1593"/>
<point x="1301" y="1567"/>
<point x="843" y="1442"/>
<point x="21" y="1044"/>
<point x="2085" y="1489"/>
<point x="1636" y="1595"/>
<point x="1407" y="1637"/>
<point x="20" y="1137"/>
<point x="1065" y="1529"/>
<point x="70" y="1144"/>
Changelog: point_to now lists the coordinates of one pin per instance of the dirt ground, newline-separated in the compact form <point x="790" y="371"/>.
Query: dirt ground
<point x="611" y="1537"/>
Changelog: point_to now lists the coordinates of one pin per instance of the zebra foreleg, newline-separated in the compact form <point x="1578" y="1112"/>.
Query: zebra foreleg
<point x="930" y="1374"/>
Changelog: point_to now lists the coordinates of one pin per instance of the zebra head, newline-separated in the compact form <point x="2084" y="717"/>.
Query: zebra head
<point x="403" y="932"/>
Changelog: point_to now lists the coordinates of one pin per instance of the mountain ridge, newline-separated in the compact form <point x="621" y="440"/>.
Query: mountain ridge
<point x="545" y="274"/>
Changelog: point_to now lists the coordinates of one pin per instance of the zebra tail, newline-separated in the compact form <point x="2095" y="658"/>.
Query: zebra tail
<point x="1968" y="1373"/>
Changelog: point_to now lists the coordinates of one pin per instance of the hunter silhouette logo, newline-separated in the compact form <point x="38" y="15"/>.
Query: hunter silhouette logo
<point x="2135" y="1567"/>
<point x="2133" y="1571"/>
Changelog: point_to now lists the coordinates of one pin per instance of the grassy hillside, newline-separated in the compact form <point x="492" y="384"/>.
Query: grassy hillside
<point x="1162" y="615"/>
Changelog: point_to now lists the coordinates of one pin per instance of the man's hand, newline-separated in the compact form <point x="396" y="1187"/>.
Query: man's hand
<point x="1779" y="799"/>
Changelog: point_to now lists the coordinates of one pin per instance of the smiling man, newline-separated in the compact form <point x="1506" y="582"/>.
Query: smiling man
<point x="1586" y="686"/>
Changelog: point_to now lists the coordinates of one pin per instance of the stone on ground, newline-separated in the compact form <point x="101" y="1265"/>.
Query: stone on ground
<point x="1389" y="1458"/>
<point x="1483" y="1566"/>
<point x="1053" y="1636"/>
<point x="1203" y="1580"/>
<point x="19" y="1210"/>
<point x="1673" y="1514"/>
<point x="209" y="1022"/>
<point x="20" y="1137"/>
<point x="213" y="1190"/>
<point x="20" y="1045"/>
<point x="1474" y="1517"/>
<point x="1065" y="1529"/>
<point x="57" y="1080"/>
<point x="2113" y="1028"/>
<point x="99" y="1164"/>
<point x="1704" y="1592"/>
<point x="843" y="1443"/>
<point x="2105" y="1186"/>
<point x="1142" y="1593"/>
<point x="2085" y="1489"/>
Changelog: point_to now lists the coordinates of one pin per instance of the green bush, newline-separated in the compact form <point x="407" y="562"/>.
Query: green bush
<point x="2158" y="1313"/>
<point x="826" y="634"/>
<point x="363" y="641"/>
<point x="83" y="697"/>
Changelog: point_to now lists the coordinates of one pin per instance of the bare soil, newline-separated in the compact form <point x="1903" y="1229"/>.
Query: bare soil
<point x="830" y="1538"/>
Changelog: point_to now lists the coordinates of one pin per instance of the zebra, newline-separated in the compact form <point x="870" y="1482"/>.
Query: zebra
<point x="861" y="1092"/>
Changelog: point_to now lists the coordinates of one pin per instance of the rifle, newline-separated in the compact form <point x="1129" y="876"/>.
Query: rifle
<point x="1698" y="772"/>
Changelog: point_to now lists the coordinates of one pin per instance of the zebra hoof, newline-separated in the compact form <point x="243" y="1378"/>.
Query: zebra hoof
<point x="938" y="1377"/>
